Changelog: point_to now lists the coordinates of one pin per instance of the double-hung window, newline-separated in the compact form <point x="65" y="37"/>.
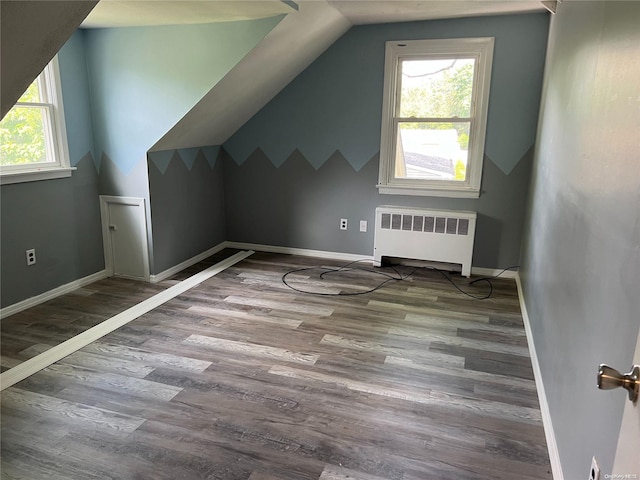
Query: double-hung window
<point x="436" y="95"/>
<point x="33" y="138"/>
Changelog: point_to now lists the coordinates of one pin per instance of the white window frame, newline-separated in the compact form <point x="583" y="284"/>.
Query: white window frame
<point x="55" y="133"/>
<point x="481" y="49"/>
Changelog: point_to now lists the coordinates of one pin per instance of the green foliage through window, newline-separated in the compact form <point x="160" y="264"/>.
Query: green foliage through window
<point x="434" y="116"/>
<point x="438" y="89"/>
<point x="22" y="131"/>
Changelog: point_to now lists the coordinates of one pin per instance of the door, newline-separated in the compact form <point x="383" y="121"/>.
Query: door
<point x="124" y="231"/>
<point x="627" y="460"/>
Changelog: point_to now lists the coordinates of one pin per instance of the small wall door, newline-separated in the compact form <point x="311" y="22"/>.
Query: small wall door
<point x="124" y="231"/>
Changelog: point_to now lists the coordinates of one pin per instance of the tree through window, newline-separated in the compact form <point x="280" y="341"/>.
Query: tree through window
<point x="434" y="116"/>
<point x="33" y="142"/>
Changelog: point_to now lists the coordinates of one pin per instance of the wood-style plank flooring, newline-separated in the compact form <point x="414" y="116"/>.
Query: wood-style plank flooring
<point x="243" y="378"/>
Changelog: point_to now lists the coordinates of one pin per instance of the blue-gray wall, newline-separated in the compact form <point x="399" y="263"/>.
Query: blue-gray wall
<point x="123" y="89"/>
<point x="310" y="156"/>
<point x="59" y="218"/>
<point x="320" y="139"/>
<point x="187" y="204"/>
<point x="145" y="79"/>
<point x="581" y="255"/>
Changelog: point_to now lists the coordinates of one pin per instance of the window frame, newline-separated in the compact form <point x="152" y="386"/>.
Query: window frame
<point x="481" y="49"/>
<point x="55" y="133"/>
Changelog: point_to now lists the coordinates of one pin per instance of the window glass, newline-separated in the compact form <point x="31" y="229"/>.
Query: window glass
<point x="22" y="136"/>
<point x="434" y="116"/>
<point x="33" y="142"/>
<point x="430" y="150"/>
<point x="436" y="88"/>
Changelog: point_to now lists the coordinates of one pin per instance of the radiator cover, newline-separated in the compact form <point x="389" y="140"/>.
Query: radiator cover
<point x="425" y="234"/>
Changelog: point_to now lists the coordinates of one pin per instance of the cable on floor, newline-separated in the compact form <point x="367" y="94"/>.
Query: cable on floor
<point x="482" y="279"/>
<point x="389" y="278"/>
<point x="348" y="267"/>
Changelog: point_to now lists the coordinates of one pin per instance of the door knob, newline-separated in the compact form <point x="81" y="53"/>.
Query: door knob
<point x="609" y="378"/>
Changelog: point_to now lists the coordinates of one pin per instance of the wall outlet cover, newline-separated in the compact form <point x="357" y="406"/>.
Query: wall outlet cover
<point x="31" y="256"/>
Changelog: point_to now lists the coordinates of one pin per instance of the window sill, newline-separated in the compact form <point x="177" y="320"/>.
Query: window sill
<point x="22" y="176"/>
<point x="428" y="192"/>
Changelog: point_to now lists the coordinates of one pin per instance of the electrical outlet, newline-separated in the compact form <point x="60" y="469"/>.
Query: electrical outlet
<point x="363" y="225"/>
<point x="594" y="473"/>
<point x="343" y="224"/>
<point x="31" y="256"/>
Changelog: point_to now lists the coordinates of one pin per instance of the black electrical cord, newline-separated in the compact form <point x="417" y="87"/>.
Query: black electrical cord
<point x="495" y="276"/>
<point x="390" y="278"/>
<point x="347" y="267"/>
<point x="485" y="279"/>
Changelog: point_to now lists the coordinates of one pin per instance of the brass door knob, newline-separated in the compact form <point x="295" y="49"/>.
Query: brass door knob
<point x="609" y="378"/>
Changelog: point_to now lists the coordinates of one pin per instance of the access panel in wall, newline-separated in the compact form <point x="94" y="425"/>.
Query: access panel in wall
<point x="124" y="231"/>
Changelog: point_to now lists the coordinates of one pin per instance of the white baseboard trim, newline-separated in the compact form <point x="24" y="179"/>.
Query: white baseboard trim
<point x="492" y="272"/>
<point x="303" y="252"/>
<point x="552" y="445"/>
<point x="187" y="263"/>
<point x="51" y="294"/>
<point x="349" y="257"/>
<point x="37" y="363"/>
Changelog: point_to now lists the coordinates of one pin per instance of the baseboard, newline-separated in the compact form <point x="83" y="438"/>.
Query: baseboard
<point x="51" y="294"/>
<point x="187" y="263"/>
<point x="69" y="287"/>
<point x="348" y="257"/>
<point x="58" y="352"/>
<point x="492" y="272"/>
<point x="552" y="445"/>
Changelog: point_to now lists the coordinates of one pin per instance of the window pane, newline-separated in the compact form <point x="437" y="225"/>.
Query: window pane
<point x="433" y="151"/>
<point x="436" y="88"/>
<point x="32" y="95"/>
<point x="22" y="136"/>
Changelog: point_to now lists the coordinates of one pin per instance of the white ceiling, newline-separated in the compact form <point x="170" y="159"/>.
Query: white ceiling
<point x="125" y="13"/>
<point x="362" y="12"/>
<point x="137" y="13"/>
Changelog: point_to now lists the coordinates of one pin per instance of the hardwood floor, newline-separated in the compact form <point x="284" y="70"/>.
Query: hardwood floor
<point x="244" y="378"/>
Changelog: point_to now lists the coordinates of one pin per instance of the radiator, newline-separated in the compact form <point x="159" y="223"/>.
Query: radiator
<point x="425" y="234"/>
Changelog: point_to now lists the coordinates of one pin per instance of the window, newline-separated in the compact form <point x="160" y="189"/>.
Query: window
<point x="33" y="139"/>
<point x="434" y="115"/>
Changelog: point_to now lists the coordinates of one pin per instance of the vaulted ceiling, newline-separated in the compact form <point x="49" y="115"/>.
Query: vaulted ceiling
<point x="310" y="27"/>
<point x="292" y="46"/>
<point x="31" y="34"/>
<point x="138" y="13"/>
<point x="123" y="13"/>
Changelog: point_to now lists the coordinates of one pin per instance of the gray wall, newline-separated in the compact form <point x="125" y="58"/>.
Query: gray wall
<point x="581" y="255"/>
<point x="143" y="80"/>
<point x="187" y="204"/>
<point x="310" y="156"/>
<point x="123" y="89"/>
<point x="295" y="205"/>
<point x="59" y="218"/>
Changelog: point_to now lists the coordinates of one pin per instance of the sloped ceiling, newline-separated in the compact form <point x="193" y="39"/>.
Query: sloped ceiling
<point x="292" y="46"/>
<point x="139" y="13"/>
<point x="31" y="34"/>
<point x="283" y="54"/>
<point x="125" y="13"/>
<point x="363" y="12"/>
